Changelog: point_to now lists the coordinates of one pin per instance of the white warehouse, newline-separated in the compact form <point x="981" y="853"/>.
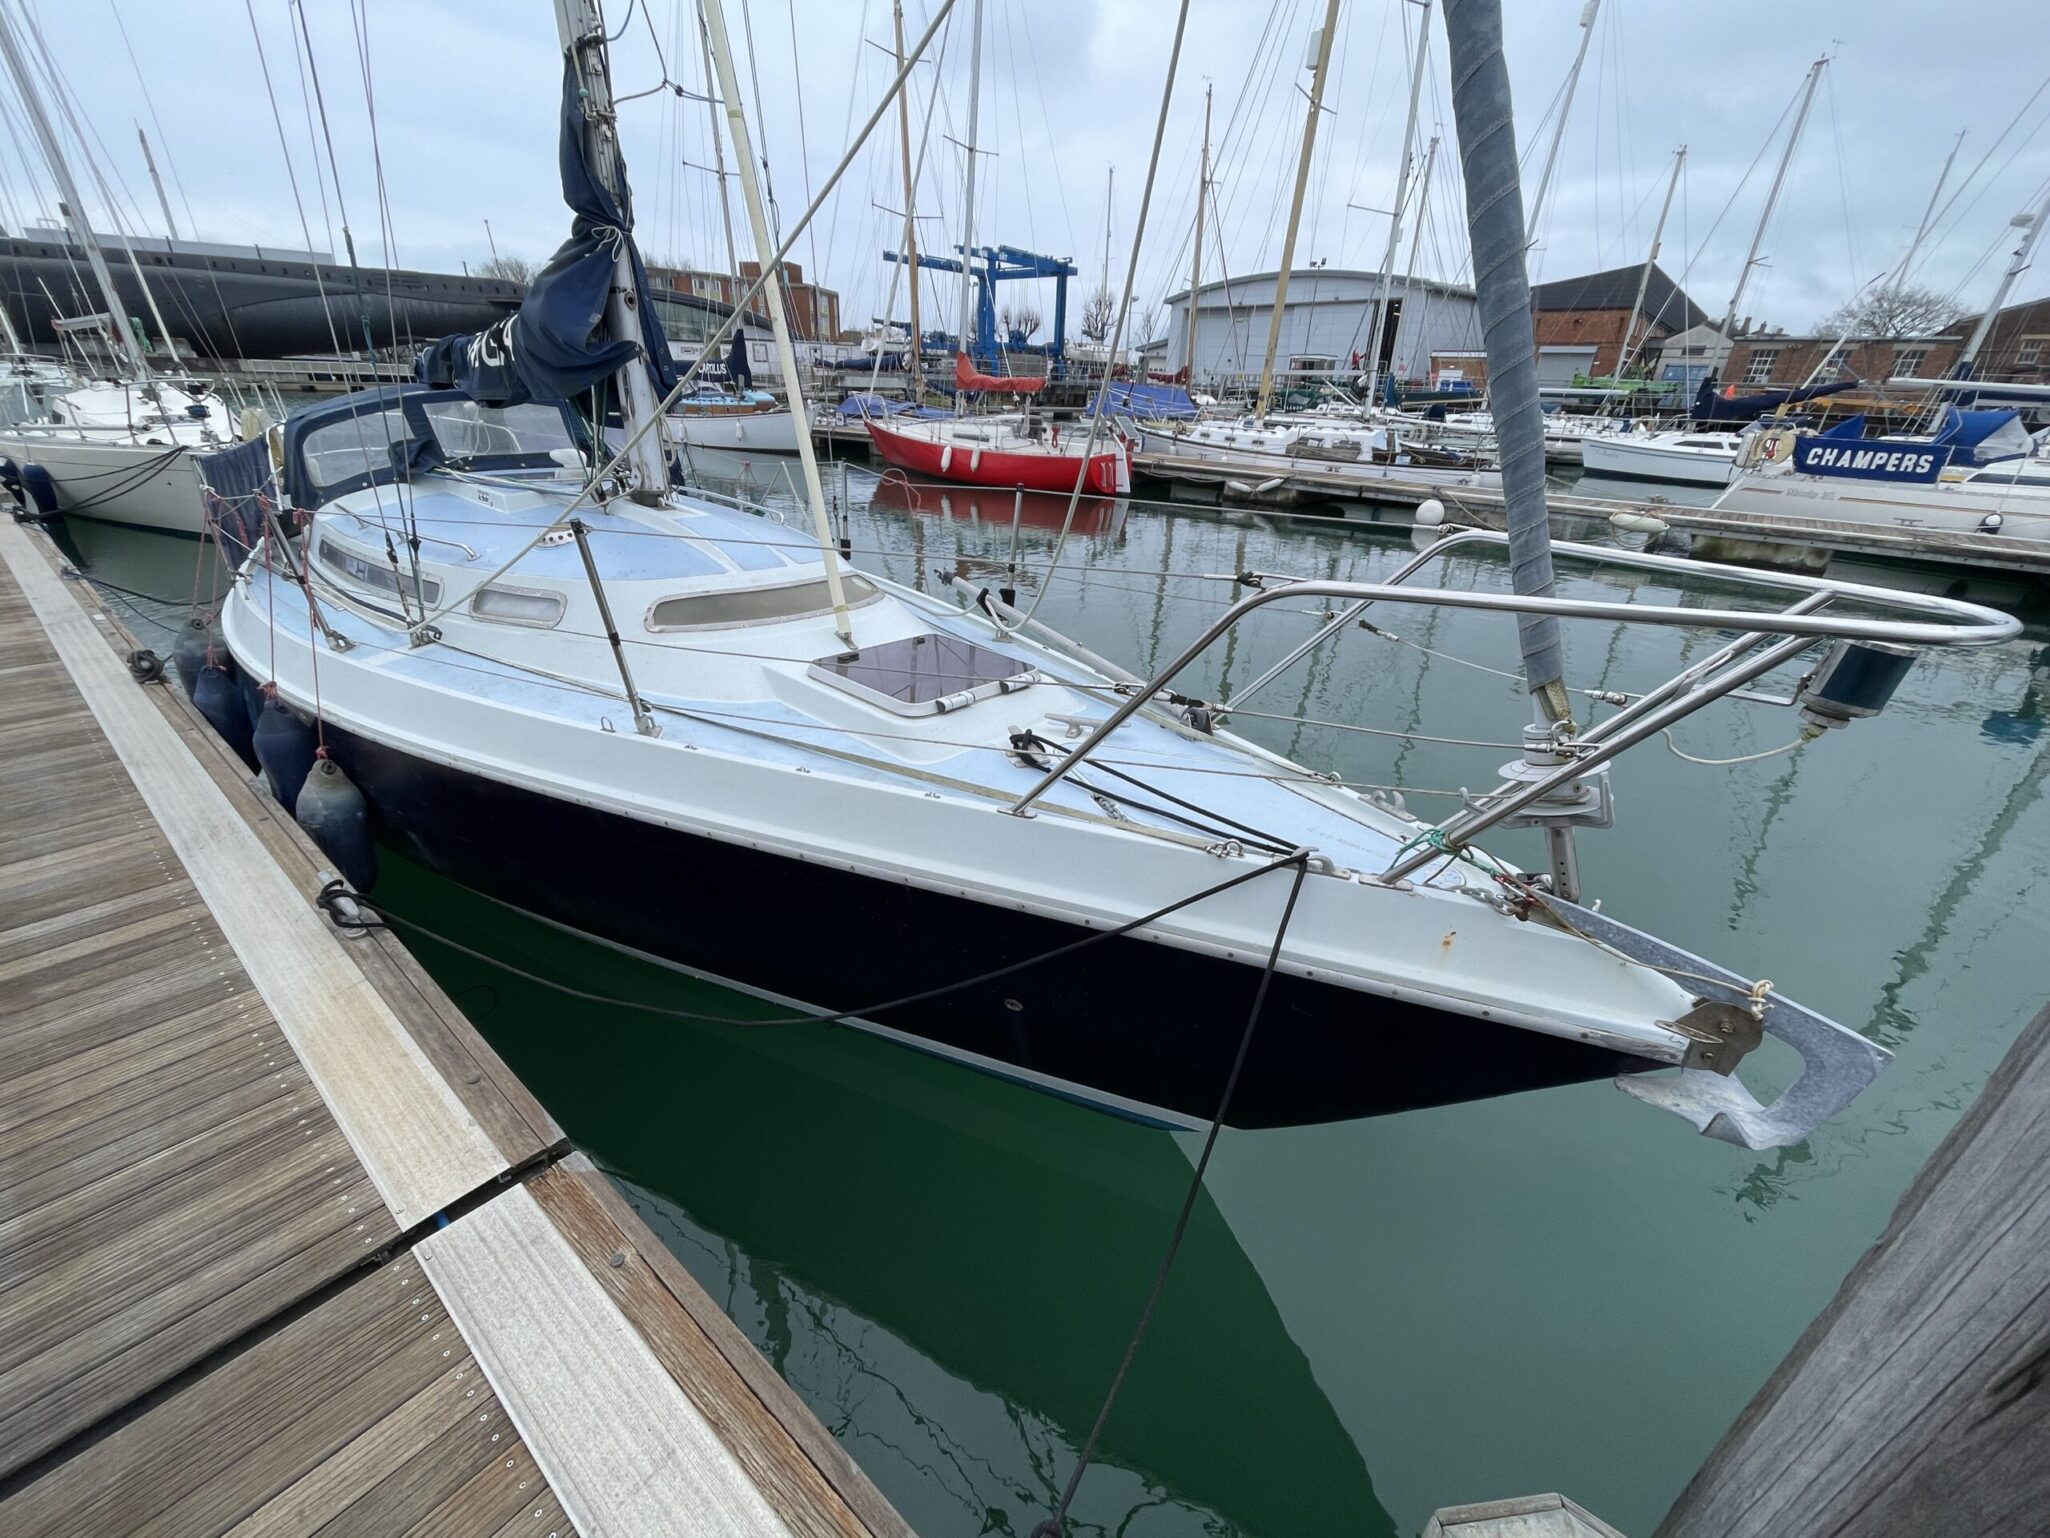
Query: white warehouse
<point x="1325" y="327"/>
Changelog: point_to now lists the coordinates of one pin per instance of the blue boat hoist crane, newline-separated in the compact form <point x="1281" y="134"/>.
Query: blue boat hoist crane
<point x="999" y="264"/>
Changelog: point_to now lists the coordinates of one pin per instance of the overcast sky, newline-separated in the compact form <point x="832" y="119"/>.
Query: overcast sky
<point x="465" y="99"/>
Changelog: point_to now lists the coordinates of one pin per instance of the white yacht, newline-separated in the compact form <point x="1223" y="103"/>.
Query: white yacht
<point x="1682" y="458"/>
<point x="691" y="734"/>
<point x="1354" y="451"/>
<point x="119" y="451"/>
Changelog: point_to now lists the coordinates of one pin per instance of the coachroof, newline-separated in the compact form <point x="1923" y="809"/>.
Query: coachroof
<point x="1665" y="302"/>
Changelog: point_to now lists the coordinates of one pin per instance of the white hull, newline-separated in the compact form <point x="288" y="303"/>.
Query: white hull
<point x="1945" y="505"/>
<point x="738" y="432"/>
<point x="1647" y="459"/>
<point x="115" y="482"/>
<point x="1256" y="463"/>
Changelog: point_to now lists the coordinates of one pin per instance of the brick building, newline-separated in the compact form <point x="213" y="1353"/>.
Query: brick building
<point x="1584" y="318"/>
<point x="814" y="311"/>
<point x="1762" y="358"/>
<point x="2017" y="349"/>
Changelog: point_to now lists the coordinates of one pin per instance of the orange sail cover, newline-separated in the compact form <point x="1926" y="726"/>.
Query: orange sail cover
<point x="965" y="378"/>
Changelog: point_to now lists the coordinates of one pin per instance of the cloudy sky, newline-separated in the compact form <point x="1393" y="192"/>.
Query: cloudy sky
<point x="464" y="99"/>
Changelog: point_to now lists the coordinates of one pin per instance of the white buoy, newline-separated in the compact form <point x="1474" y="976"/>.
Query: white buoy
<point x="1430" y="512"/>
<point x="1638" y="523"/>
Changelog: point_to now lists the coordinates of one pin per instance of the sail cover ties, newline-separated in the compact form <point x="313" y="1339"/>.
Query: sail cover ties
<point x="554" y="347"/>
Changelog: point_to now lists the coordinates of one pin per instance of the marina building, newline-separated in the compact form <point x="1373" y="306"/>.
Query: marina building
<point x="1581" y="322"/>
<point x="1326" y="326"/>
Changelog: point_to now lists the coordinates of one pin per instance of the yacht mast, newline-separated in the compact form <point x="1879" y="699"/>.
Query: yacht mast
<point x="1416" y="239"/>
<point x="1416" y="86"/>
<point x="1537" y="204"/>
<point x="1321" y="42"/>
<point x="968" y="196"/>
<point x="1494" y="214"/>
<point x="1771" y="200"/>
<point x="170" y="224"/>
<point x="67" y="193"/>
<point x="772" y="301"/>
<point x="582" y="33"/>
<point x="2033" y="226"/>
<point x="1196" y="259"/>
<point x="719" y="160"/>
<point x="911" y="358"/>
<point x="1658" y="234"/>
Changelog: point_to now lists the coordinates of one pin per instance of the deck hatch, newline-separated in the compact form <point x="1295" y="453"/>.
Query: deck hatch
<point x="925" y="675"/>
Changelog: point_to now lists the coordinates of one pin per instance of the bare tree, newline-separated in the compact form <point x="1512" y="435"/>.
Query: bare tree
<point x="514" y="269"/>
<point x="1024" y="323"/>
<point x="1149" y="324"/>
<point x="1099" y="314"/>
<point x="1890" y="312"/>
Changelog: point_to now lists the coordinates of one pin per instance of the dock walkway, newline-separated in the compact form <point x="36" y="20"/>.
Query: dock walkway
<point x="1485" y="506"/>
<point x="284" y="1247"/>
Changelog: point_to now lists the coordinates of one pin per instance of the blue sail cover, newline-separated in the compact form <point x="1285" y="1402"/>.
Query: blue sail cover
<point x="237" y="487"/>
<point x="1966" y="437"/>
<point x="1742" y="410"/>
<point x="554" y="347"/>
<point x="1155" y="402"/>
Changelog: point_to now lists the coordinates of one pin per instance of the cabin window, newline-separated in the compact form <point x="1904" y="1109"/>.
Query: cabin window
<point x="352" y="447"/>
<point x="377" y="574"/>
<point x="518" y="606"/>
<point x="464" y="430"/>
<point x="733" y="606"/>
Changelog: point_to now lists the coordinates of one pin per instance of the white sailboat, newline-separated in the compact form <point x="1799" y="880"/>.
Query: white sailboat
<point x="1687" y="457"/>
<point x="116" y="449"/>
<point x="663" y="724"/>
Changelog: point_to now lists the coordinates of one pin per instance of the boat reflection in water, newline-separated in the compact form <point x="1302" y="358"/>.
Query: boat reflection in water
<point x="876" y="1220"/>
<point x="1095" y="517"/>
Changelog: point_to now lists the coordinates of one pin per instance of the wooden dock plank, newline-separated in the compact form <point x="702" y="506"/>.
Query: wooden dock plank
<point x="415" y="1137"/>
<point x="218" y="1110"/>
<point x="168" y="1178"/>
<point x="366" y="1414"/>
<point x="746" y="1400"/>
<point x="622" y="1444"/>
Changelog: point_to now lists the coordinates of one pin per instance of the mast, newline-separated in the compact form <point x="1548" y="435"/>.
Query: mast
<point x="910" y="217"/>
<point x="170" y="224"/>
<point x="67" y="193"/>
<point x="1658" y="234"/>
<point x="1772" y="197"/>
<point x="1537" y="204"/>
<point x="2033" y="228"/>
<point x="968" y="194"/>
<point x="1196" y="259"/>
<point x="772" y="301"/>
<point x="1416" y="86"/>
<point x="1322" y="43"/>
<point x="1416" y="239"/>
<point x="1494" y="215"/>
<point x="719" y="160"/>
<point x="582" y="32"/>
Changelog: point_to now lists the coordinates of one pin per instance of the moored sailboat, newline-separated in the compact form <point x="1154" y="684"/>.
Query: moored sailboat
<point x="662" y="724"/>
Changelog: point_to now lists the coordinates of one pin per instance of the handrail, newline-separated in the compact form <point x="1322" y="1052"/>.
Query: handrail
<point x="1978" y="626"/>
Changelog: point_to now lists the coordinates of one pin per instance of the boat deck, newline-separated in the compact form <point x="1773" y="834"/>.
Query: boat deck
<point x="284" y="1247"/>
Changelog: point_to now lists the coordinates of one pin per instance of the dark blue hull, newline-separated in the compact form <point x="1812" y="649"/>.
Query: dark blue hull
<point x="1133" y="1026"/>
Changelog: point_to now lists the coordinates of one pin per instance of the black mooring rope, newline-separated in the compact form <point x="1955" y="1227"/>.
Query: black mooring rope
<point x="1056" y="1526"/>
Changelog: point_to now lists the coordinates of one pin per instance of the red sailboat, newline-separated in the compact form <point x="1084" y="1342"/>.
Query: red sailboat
<point x="1003" y="450"/>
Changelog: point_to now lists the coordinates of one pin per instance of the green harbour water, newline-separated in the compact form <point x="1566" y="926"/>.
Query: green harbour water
<point x="1556" y="1291"/>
